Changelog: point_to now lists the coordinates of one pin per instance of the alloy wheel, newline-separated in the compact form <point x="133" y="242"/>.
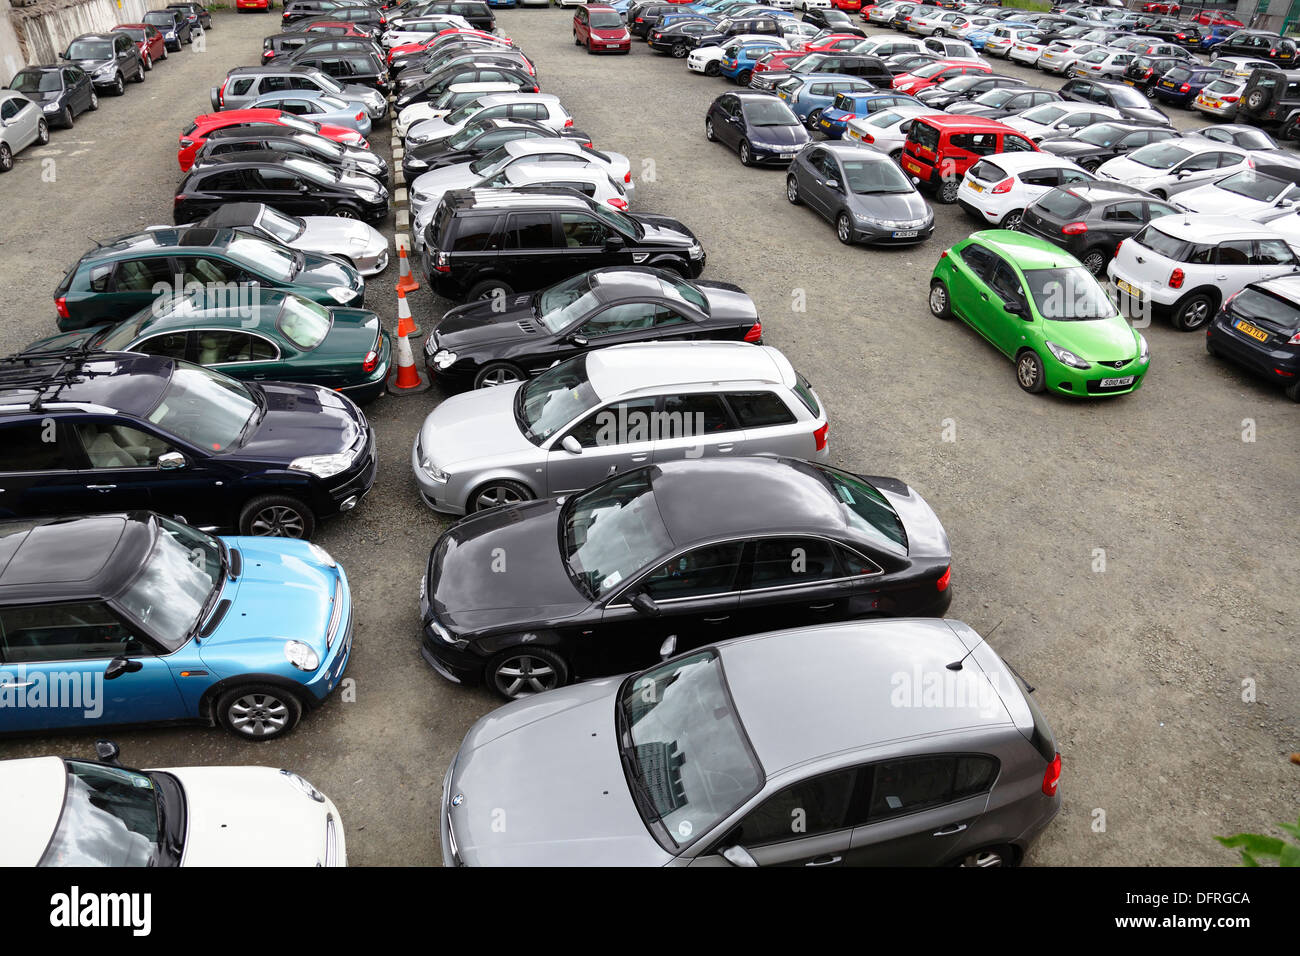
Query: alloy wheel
<point x="496" y="496"/>
<point x="278" y="521"/>
<point x="257" y="715"/>
<point x="523" y="675"/>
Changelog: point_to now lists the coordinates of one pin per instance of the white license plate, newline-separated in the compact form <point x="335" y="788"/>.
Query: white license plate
<point x="787" y="155"/>
<point x="1117" y="382"/>
<point x="906" y="234"/>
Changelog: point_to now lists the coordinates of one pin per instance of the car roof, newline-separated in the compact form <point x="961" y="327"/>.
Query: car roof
<point x="1286" y="287"/>
<point x="960" y="121"/>
<point x="1106" y="191"/>
<point x="499" y="99"/>
<point x="72" y="558"/>
<point x="851" y="150"/>
<point x="158" y="240"/>
<point x="31" y="797"/>
<point x="505" y="198"/>
<point x="272" y="69"/>
<point x="113" y="381"/>
<point x="93" y="36"/>
<point x="656" y="367"/>
<point x="1013" y="162"/>
<point x="1025" y="251"/>
<point x="837" y="688"/>
<point x="1198" y="227"/>
<point x="212" y="307"/>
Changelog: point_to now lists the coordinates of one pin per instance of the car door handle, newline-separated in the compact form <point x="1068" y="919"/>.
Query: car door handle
<point x="1221" y="278"/>
<point x="639" y="458"/>
<point x="984" y="296"/>
<point x="715" y="620"/>
<point x="724" y="448"/>
<point x="824" y="861"/>
<point x="101" y="487"/>
<point x="821" y="607"/>
<point x="26" y="683"/>
<point x="950" y="830"/>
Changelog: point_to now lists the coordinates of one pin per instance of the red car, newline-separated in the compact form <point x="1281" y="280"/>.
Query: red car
<point x="830" y="43"/>
<point x="932" y="74"/>
<point x="1161" y="7"/>
<point x="149" y="40"/>
<point x="196" y="134"/>
<point x="848" y="6"/>
<point x="777" y="60"/>
<point x="263" y="5"/>
<point x="599" y="28"/>
<point x="1214" y="18"/>
<point x="406" y="49"/>
<point x="940" y="147"/>
<point x="337" y="28"/>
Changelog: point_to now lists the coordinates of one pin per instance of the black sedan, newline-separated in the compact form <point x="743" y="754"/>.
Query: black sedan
<point x="1093" y="145"/>
<point x="63" y="92"/>
<point x="833" y="21"/>
<point x="678" y="38"/>
<point x="995" y="104"/>
<point x="662" y="559"/>
<point x="758" y="126"/>
<point x="281" y="139"/>
<point x="1131" y="104"/>
<point x="476" y="140"/>
<point x="901" y="63"/>
<point x="481" y="344"/>
<point x="292" y="184"/>
<point x="1090" y="220"/>
<point x="965" y="87"/>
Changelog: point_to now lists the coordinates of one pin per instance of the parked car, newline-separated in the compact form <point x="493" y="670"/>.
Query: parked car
<point x="1129" y="102"/>
<point x="863" y="192"/>
<point x="280" y="139"/>
<point x="481" y="345"/>
<point x="1185" y="267"/>
<point x="544" y="108"/>
<point x="1257" y="43"/>
<point x="244" y="85"/>
<point x="148" y="40"/>
<point x="425" y="88"/>
<point x="849" y="106"/>
<point x="174" y="27"/>
<point x="1038" y="306"/>
<point x="1243" y="66"/>
<point x="1259" y="329"/>
<point x="1056" y="120"/>
<point x="1144" y="72"/>
<point x="318" y="107"/>
<point x="350" y="68"/>
<point x="195" y="13"/>
<point x="22" y="123"/>
<point x="1060" y="56"/>
<point x="109" y="59"/>
<point x="1089" y="220"/>
<point x="1260" y="193"/>
<point x="294" y="10"/>
<point x="940" y="148"/>
<point x="1095" y="144"/>
<point x="1220" y="97"/>
<point x="454" y="97"/>
<point x="599" y="28"/>
<point x="1181" y="85"/>
<point x="1004" y="101"/>
<point x="738" y="59"/>
<point x="681" y="38"/>
<point x="887" y="130"/>
<point x="267" y="458"/>
<point x="477" y="140"/>
<point x="997" y="189"/>
<point x="290" y="182"/>
<point x="965" y="87"/>
<point x="932" y="74"/>
<point x="760" y="128"/>
<point x="1103" y="63"/>
<point x="362" y="247"/>
<point x="1250" y="138"/>
<point x="62" y="92"/>
<point x="1171" y="167"/>
<point x="195" y="135"/>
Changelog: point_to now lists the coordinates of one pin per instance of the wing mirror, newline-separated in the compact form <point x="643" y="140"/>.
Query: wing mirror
<point x="119" y="666"/>
<point x="107" y="752"/>
<point x="832" y="184"/>
<point x="644" y="604"/>
<point x="571" y="445"/>
<point x="739" y="856"/>
<point x="668" y="648"/>
<point x="171" y="461"/>
<point x="1015" y="308"/>
<point x="613" y="243"/>
<point x="579" y="340"/>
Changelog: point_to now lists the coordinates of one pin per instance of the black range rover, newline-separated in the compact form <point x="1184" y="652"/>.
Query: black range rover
<point x="482" y="240"/>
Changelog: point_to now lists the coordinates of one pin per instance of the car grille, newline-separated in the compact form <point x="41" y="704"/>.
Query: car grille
<point x="1120" y="364"/>
<point x="335" y="616"/>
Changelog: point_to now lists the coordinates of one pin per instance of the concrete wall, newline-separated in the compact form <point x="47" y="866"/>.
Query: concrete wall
<point x="38" y="33"/>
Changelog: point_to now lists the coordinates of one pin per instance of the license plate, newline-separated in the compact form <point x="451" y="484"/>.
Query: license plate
<point x="1130" y="83"/>
<point x="1213" y="104"/>
<point x="1168" y="86"/>
<point x="826" y="123"/>
<point x="1241" y="325"/>
<point x="906" y="234"/>
<point x="1117" y="382"/>
<point x="787" y="155"/>
<point x="911" y="167"/>
<point x="975" y="186"/>
<point x="1128" y="288"/>
<point x="1021" y="47"/>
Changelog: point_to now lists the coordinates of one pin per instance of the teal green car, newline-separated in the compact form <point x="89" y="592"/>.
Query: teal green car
<point x="256" y="334"/>
<point x="1042" y="309"/>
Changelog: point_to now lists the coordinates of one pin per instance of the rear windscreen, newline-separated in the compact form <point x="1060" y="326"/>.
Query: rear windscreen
<point x="1062" y="203"/>
<point x="924" y="135"/>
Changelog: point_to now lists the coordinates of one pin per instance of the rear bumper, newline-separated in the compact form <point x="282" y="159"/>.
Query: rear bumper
<point x="1279" y="365"/>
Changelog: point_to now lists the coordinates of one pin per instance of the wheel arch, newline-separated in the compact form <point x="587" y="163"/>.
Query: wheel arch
<point x="208" y="699"/>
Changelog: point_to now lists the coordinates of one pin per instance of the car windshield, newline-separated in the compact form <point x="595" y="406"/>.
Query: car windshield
<point x="262" y="258"/>
<point x="1100" y="134"/>
<point x="1044" y="115"/>
<point x="688" y="761"/>
<point x="930" y="69"/>
<point x="133" y="34"/>
<point x="1124" y="96"/>
<point x="332" y="103"/>
<point x="492" y="163"/>
<point x="605" y="20"/>
<point x="1068" y="294"/>
<point x="160" y="19"/>
<point x="613" y="531"/>
<point x="459" y="115"/>
<point x="868" y="177"/>
<point x="996" y="97"/>
<point x="1255" y="185"/>
<point x="865" y="508"/>
<point x="284" y="228"/>
<point x="467" y="134"/>
<point x="111" y="817"/>
<point x="1223" y="86"/>
<point x="624" y="224"/>
<point x="561" y="305"/>
<point x="316" y="172"/>
<point x="1159" y="155"/>
<point x="553" y="399"/>
<point x="90" y="50"/>
<point x="769" y="112"/>
<point x="303" y="322"/>
<point x="327" y="82"/>
<point x="206" y="408"/>
<point x="36" y="81"/>
<point x="173" y="588"/>
<point x="294" y="122"/>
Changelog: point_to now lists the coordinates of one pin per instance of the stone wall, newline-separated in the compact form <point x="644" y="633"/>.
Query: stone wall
<point x="39" y="32"/>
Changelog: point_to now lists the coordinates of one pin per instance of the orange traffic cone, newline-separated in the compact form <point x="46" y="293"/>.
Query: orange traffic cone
<point x="408" y="380"/>
<point x="406" y="282"/>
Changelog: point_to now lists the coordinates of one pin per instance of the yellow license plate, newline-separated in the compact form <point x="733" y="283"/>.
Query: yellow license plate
<point x="1130" y="83"/>
<point x="1213" y="104"/>
<point x="826" y="123"/>
<point x="977" y="187"/>
<point x="1241" y="325"/>
<point x="912" y="167"/>
<point x="1128" y="288"/>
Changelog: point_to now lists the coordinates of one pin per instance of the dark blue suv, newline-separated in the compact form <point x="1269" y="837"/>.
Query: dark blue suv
<point x="84" y="432"/>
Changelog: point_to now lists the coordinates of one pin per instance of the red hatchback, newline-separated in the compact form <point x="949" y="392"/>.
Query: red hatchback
<point x="242" y="5"/>
<point x="940" y="147"/>
<point x="600" y="29"/>
<point x="831" y="43"/>
<point x="196" y="134"/>
<point x="148" y="38"/>
<point x="932" y="74"/>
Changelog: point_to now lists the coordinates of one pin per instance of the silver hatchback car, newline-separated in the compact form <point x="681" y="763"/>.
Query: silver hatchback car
<point x="878" y="743"/>
<point x="612" y="410"/>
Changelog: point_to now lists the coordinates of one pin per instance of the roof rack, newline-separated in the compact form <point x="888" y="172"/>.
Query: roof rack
<point x="48" y="372"/>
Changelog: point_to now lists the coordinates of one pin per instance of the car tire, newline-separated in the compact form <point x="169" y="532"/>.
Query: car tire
<point x="989" y="856"/>
<point x="42" y="132"/>
<point x="6" y="158"/>
<point x="345" y="212"/>
<point x="1193" y="311"/>
<point x="1029" y="372"/>
<point x="947" y="193"/>
<point x="1091" y="165"/>
<point x="1094" y="260"/>
<point x="709" y="134"/>
<point x="94" y="101"/>
<point x="940" y="301"/>
<point x="486" y="289"/>
<point x="500" y="493"/>
<point x="792" y="191"/>
<point x="119" y="85"/>
<point x="498" y="373"/>
<point x="140" y="78"/>
<point x="1257" y="100"/>
<point x="743" y="77"/>
<point x="1159" y="194"/>
<point x="277" y="516"/>
<point x="65" y="118"/>
<point x="896" y="156"/>
<point x="680" y="50"/>
<point x="1293" y="391"/>
<point x="844" y="228"/>
<point x="259" y="711"/>
<point x="576" y="41"/>
<point x="525" y="670"/>
<point x="164" y="53"/>
<point x="1012" y="220"/>
<point x="813" y="117"/>
<point x="712" y="69"/>
<point x="746" y="153"/>
<point x="148" y="64"/>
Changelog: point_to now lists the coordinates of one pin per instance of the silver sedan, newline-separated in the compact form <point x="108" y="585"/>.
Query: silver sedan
<point x="22" y="123"/>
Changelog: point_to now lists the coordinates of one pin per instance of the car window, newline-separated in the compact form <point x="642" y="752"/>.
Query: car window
<point x="1130" y="211"/>
<point x="1272" y="252"/>
<point x="821" y="804"/>
<point x="1006" y="283"/>
<point x="700" y="415"/>
<point x="141" y="275"/>
<point x="475" y="233"/>
<point x="532" y="230"/>
<point x="782" y="562"/>
<point x="168" y="345"/>
<point x="980" y="260"/>
<point x="697" y="573"/>
<point x="622" y="423"/>
<point x="224" y="346"/>
<point x="65" y="632"/>
<point x="759" y="409"/>
<point x="904" y="786"/>
<point x="30" y="447"/>
<point x="1041" y="177"/>
<point x="1235" y="252"/>
<point x="203" y="270"/>
<point x="119" y="446"/>
<point x="630" y="317"/>
<point x="581" y="231"/>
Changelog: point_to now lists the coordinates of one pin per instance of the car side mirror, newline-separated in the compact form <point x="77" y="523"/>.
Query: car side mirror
<point x="832" y="184"/>
<point x="571" y="445"/>
<point x="644" y="604"/>
<point x="303" y="187"/>
<point x="63" y="56"/>
<point x="739" y="856"/>
<point x="171" y="461"/>
<point x="613" y="243"/>
<point x="107" y="752"/>
<point x="579" y="340"/>
<point x="119" y="666"/>
<point x="668" y="648"/>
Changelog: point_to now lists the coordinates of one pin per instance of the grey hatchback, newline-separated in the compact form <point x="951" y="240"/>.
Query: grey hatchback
<point x="900" y="742"/>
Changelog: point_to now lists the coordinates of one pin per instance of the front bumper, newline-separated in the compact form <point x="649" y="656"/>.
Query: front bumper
<point x="1086" y="383"/>
<point x="438" y="495"/>
<point x="878" y="235"/>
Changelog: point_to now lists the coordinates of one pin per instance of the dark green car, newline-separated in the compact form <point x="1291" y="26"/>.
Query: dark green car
<point x="115" y="280"/>
<point x="274" y="336"/>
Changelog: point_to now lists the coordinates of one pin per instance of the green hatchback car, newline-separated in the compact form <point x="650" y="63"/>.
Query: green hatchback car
<point x="1041" y="308"/>
<point x="115" y="280"/>
<point x="272" y="336"/>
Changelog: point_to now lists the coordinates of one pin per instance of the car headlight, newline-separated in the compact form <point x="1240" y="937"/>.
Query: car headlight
<point x="322" y="466"/>
<point x="303" y="785"/>
<point x="301" y="656"/>
<point x="106" y="69"/>
<point x="1144" y="351"/>
<point x="323" y="556"/>
<point x="442" y="633"/>
<point x="417" y="163"/>
<point x="371" y="195"/>
<point x="1066" y="357"/>
<point x="340" y="293"/>
<point x="443" y="359"/>
<point x="51" y="107"/>
<point x="415" y="139"/>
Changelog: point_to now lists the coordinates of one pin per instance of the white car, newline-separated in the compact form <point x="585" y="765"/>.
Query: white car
<point x="1187" y="266"/>
<point x="1059" y="119"/>
<point x="887" y="46"/>
<point x="806" y="5"/>
<point x="22" y="123"/>
<point x="455" y="96"/>
<point x="543" y="108"/>
<point x="1220" y="97"/>
<point x="428" y="188"/>
<point x="951" y="49"/>
<point x="1249" y="193"/>
<point x="886" y="130"/>
<point x="882" y="13"/>
<point x="85" y="813"/>
<point x="1103" y="63"/>
<point x="1061" y="55"/>
<point x="932" y="20"/>
<point x="999" y="187"/>
<point x="1028" y="49"/>
<point x="419" y="29"/>
<point x="1241" y="67"/>
<point x="973" y="24"/>
<point x="1173" y="166"/>
<point x="1003" y="39"/>
<point x="707" y="59"/>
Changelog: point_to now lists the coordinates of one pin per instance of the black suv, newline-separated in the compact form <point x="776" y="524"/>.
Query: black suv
<point x="84" y="432"/>
<point x="109" y="59"/>
<point x="482" y="240"/>
<point x="295" y="10"/>
<point x="642" y="17"/>
<point x="1090" y="220"/>
<point x="365" y="69"/>
<point x="1270" y="97"/>
<point x="1144" y="72"/>
<point x="1257" y="43"/>
<point x="478" y="13"/>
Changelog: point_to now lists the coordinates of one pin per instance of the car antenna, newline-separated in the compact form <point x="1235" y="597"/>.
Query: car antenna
<point x="956" y="665"/>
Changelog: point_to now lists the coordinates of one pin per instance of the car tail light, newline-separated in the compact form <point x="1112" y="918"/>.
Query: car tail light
<point x="1052" y="776"/>
<point x="268" y="54"/>
<point x="441" y="264"/>
<point x="943" y="255"/>
<point x="868" y="138"/>
<point x="944" y="579"/>
<point x="1004" y="186"/>
<point x="1118" y="246"/>
<point x="1250" y="163"/>
<point x="370" y="362"/>
<point x="819" y="436"/>
<point x="1185" y="88"/>
<point x="1074" y="228"/>
<point x="568" y="123"/>
<point x="1294" y="340"/>
<point x="618" y="203"/>
<point x="61" y="304"/>
<point x="755" y="332"/>
<point x="1176" y="279"/>
<point x="1230" y="99"/>
<point x="221" y="94"/>
<point x="848" y="116"/>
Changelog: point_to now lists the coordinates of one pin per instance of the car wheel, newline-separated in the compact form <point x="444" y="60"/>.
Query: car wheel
<point x="743" y="77"/>
<point x="896" y="155"/>
<point x="345" y="212"/>
<point x="277" y="516"/>
<point x="711" y="136"/>
<point x="140" y="77"/>
<point x="1257" y="100"/>
<point x="590" y="51"/>
<point x="524" y="671"/>
<point x="42" y="132"/>
<point x="1029" y="371"/>
<point x="119" y="85"/>
<point x="712" y="69"/>
<point x="498" y="494"/>
<point x="65" y="118"/>
<point x="6" y="158"/>
<point x="813" y="117"/>
<point x="792" y="191"/>
<point x="148" y="63"/>
<point x="746" y="156"/>
<point x="259" y="711"/>
<point x="680" y="51"/>
<point x="164" y="53"/>
<point x="498" y="373"/>
<point x="576" y="41"/>
<point x="488" y="289"/>
<point x="1094" y="261"/>
<point x="1012" y="220"/>
<point x="1000" y="855"/>
<point x="1091" y="165"/>
<point x="1159" y="194"/>
<point x="844" y="228"/>
<point x="948" y="192"/>
<point x="1193" y="311"/>
<point x="940" y="304"/>
<point x="1293" y="391"/>
<point x="94" y="103"/>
